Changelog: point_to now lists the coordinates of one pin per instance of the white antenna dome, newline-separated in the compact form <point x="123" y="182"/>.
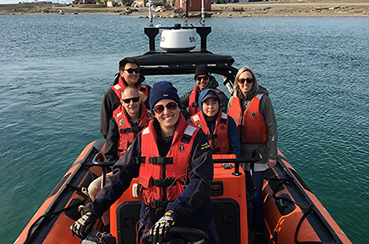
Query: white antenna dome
<point x="177" y="40"/>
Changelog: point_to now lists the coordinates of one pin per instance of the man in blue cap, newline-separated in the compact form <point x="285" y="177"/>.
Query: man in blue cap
<point x="171" y="152"/>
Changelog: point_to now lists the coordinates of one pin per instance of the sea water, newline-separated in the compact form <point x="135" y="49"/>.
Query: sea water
<point x="55" y="69"/>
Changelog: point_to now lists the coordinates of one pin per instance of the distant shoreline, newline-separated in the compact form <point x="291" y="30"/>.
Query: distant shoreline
<point x="308" y="8"/>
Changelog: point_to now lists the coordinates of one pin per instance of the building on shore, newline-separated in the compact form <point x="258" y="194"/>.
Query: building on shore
<point x="193" y="5"/>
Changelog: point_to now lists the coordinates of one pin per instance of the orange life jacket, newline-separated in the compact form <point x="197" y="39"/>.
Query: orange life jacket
<point x="251" y="123"/>
<point x="218" y="141"/>
<point x="162" y="179"/>
<point x="193" y="105"/>
<point x="127" y="133"/>
<point x="120" y="86"/>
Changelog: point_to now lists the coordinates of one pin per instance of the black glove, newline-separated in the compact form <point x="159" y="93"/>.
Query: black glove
<point x="160" y="229"/>
<point x="83" y="226"/>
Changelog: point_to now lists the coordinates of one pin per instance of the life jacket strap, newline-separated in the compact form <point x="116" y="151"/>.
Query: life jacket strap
<point x="215" y="150"/>
<point x="161" y="160"/>
<point x="159" y="204"/>
<point x="167" y="182"/>
<point x="138" y="160"/>
<point x="132" y="129"/>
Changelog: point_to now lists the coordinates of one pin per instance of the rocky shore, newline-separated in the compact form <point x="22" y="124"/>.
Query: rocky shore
<point x="304" y="8"/>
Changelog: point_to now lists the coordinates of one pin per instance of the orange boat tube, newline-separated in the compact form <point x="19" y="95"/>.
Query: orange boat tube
<point x="293" y="214"/>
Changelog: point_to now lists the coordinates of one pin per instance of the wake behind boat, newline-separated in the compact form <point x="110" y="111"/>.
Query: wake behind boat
<point x="293" y="213"/>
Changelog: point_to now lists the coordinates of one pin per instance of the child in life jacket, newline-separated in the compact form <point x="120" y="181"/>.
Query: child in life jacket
<point x="221" y="129"/>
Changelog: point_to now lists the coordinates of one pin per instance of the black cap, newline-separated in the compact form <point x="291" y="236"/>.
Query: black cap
<point x="202" y="69"/>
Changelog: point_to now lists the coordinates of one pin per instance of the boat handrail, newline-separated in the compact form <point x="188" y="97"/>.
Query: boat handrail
<point x="256" y="156"/>
<point x="236" y="161"/>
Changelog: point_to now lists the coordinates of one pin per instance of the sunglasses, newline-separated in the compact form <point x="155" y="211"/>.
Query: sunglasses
<point x="205" y="78"/>
<point x="170" y="106"/>
<point x="248" y="80"/>
<point x="130" y="70"/>
<point x="128" y="100"/>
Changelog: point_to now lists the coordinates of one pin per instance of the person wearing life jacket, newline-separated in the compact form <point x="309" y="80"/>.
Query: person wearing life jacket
<point x="204" y="80"/>
<point x="127" y="121"/>
<point x="221" y="129"/>
<point x="252" y="109"/>
<point x="173" y="162"/>
<point x="129" y="75"/>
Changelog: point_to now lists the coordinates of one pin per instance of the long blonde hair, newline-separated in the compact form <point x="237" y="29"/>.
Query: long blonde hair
<point x="237" y="91"/>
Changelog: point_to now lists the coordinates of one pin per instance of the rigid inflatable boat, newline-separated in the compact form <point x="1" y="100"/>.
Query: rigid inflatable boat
<point x="292" y="212"/>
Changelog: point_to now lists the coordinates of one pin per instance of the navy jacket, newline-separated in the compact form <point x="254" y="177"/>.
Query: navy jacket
<point x="192" y="208"/>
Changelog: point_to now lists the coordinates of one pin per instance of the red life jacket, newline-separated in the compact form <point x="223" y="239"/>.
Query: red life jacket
<point x="127" y="133"/>
<point x="251" y="124"/>
<point x="162" y="179"/>
<point x="119" y="87"/>
<point x="193" y="105"/>
<point x="218" y="141"/>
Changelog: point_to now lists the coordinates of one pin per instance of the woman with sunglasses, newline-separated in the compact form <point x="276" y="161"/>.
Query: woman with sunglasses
<point x="204" y="80"/>
<point x="173" y="162"/>
<point x="252" y="109"/>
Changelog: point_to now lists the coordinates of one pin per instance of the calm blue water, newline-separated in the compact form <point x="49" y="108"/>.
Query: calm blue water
<point x="54" y="70"/>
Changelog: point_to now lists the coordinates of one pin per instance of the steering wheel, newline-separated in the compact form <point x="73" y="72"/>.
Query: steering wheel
<point x="183" y="231"/>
